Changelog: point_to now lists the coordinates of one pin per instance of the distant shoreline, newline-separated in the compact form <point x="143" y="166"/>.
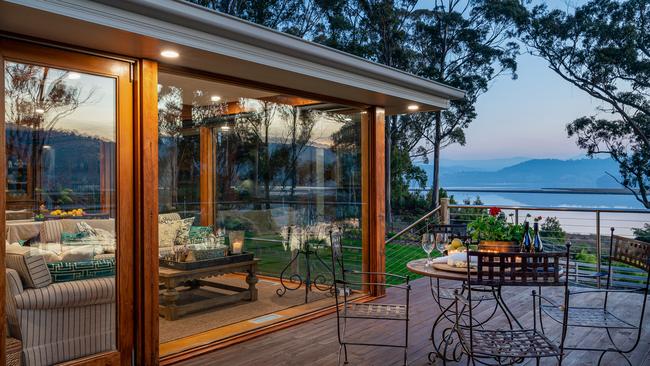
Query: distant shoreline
<point x="607" y="191"/>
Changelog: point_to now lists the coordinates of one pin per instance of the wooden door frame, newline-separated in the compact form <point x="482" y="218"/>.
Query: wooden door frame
<point x="373" y="124"/>
<point x="121" y="71"/>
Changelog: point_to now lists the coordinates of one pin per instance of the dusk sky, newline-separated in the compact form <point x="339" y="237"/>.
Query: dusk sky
<point x="526" y="117"/>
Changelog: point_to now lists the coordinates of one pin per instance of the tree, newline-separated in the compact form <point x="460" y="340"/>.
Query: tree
<point x="465" y="44"/>
<point x="603" y="48"/>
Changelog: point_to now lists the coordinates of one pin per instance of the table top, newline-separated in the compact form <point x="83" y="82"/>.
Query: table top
<point x="419" y="266"/>
<point x="173" y="272"/>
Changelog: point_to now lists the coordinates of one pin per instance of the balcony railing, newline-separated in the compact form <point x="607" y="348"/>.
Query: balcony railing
<point x="588" y="229"/>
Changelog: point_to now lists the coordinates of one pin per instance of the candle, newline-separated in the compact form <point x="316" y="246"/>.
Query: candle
<point x="236" y="242"/>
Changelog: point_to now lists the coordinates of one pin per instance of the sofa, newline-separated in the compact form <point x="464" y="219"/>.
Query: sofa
<point x="61" y="310"/>
<point x="61" y="321"/>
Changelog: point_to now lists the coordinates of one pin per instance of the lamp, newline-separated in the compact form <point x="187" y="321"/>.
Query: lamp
<point x="236" y="239"/>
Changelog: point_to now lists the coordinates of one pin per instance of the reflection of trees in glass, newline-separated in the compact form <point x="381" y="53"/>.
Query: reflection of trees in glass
<point x="37" y="98"/>
<point x="346" y="145"/>
<point x="278" y="135"/>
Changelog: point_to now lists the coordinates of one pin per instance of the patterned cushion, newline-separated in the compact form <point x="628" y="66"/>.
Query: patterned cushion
<point x="200" y="232"/>
<point x="83" y="227"/>
<point x="167" y="233"/>
<point x="83" y="270"/>
<point x="67" y="237"/>
<point x="31" y="267"/>
<point x="172" y="216"/>
<point x="183" y="234"/>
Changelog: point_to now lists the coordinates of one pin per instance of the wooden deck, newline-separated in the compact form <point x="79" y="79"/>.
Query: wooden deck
<point x="315" y="342"/>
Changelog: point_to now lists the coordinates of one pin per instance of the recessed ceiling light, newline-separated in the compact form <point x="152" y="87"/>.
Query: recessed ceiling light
<point x="169" y="54"/>
<point x="215" y="98"/>
<point x="39" y="110"/>
<point x="413" y="107"/>
<point x="74" y="75"/>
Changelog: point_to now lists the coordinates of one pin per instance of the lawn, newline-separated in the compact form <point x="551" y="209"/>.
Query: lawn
<point x="274" y="258"/>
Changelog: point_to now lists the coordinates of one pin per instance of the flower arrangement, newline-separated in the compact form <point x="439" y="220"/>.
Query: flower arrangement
<point x="495" y="227"/>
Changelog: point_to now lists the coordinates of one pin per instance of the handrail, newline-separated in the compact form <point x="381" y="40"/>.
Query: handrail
<point x="566" y="209"/>
<point x="426" y="216"/>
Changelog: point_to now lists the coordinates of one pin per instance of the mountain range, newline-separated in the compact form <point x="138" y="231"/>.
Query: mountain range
<point x="527" y="173"/>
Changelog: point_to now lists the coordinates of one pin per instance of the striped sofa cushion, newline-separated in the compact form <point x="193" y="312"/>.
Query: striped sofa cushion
<point x="51" y="231"/>
<point x="69" y="294"/>
<point x="31" y="267"/>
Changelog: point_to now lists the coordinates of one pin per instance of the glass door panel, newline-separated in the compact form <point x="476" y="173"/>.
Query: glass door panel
<point x="62" y="203"/>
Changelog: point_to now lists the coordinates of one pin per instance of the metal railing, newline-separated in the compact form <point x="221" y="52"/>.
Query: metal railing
<point x="414" y="224"/>
<point x="587" y="221"/>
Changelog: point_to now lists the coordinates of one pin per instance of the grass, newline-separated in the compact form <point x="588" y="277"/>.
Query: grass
<point x="274" y="257"/>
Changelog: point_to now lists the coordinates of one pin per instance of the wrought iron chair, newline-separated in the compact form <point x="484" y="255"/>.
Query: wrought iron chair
<point x="348" y="309"/>
<point x="506" y="347"/>
<point x="633" y="253"/>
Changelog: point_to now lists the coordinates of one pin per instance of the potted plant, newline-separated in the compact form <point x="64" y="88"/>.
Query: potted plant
<point x="496" y="230"/>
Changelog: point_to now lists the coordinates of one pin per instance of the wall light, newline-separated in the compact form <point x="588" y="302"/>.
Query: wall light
<point x="39" y="110"/>
<point x="215" y="98"/>
<point x="348" y="119"/>
<point x="74" y="76"/>
<point x="225" y="128"/>
<point x="169" y="54"/>
<point x="413" y="107"/>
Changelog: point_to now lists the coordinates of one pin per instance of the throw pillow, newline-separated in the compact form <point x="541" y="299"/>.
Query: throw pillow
<point x="167" y="231"/>
<point x="66" y="237"/>
<point x="51" y="231"/>
<point x="31" y="267"/>
<point x="82" y="270"/>
<point x="83" y="227"/>
<point x="183" y="234"/>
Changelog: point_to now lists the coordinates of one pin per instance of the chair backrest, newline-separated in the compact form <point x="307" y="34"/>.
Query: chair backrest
<point x="517" y="269"/>
<point x="632" y="252"/>
<point x="337" y="255"/>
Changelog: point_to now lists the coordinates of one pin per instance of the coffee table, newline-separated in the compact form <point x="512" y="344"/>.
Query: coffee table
<point x="177" y="302"/>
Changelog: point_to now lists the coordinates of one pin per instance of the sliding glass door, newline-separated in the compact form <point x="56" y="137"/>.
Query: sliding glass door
<point x="68" y="217"/>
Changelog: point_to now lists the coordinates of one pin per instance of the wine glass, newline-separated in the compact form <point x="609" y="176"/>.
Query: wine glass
<point x="441" y="241"/>
<point x="427" y="246"/>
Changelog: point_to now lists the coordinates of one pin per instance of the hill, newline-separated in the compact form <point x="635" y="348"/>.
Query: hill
<point x="536" y="173"/>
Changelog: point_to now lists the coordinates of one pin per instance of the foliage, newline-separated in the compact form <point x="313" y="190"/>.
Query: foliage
<point x="586" y="257"/>
<point x="465" y="215"/>
<point x="551" y="230"/>
<point x="602" y="48"/>
<point x="466" y="45"/>
<point x="495" y="227"/>
<point x="643" y="233"/>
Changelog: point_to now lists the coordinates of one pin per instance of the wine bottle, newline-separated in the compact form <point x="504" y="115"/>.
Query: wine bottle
<point x="538" y="246"/>
<point x="526" y="241"/>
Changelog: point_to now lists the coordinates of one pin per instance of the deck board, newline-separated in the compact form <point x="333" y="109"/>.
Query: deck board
<point x="315" y="342"/>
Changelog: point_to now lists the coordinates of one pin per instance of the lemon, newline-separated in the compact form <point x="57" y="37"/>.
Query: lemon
<point x="456" y="243"/>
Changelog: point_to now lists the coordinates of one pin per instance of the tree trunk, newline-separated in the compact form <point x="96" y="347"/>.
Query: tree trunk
<point x="387" y="180"/>
<point x="435" y="186"/>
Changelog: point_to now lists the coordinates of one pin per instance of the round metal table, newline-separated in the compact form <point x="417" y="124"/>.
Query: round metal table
<point x="447" y="348"/>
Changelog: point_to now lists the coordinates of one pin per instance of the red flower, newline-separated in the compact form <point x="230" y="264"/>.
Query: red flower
<point x="495" y="211"/>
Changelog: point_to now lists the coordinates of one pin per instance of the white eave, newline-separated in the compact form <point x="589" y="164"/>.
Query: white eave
<point x="214" y="42"/>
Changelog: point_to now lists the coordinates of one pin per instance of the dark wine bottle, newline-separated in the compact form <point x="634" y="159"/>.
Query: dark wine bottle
<point x="538" y="246"/>
<point x="526" y="241"/>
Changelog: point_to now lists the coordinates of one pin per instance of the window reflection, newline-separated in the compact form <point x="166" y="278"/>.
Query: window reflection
<point x="242" y="166"/>
<point x="60" y="217"/>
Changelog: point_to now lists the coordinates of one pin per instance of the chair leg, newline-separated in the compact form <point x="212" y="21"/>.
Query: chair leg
<point x="405" y="356"/>
<point x="345" y="352"/>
